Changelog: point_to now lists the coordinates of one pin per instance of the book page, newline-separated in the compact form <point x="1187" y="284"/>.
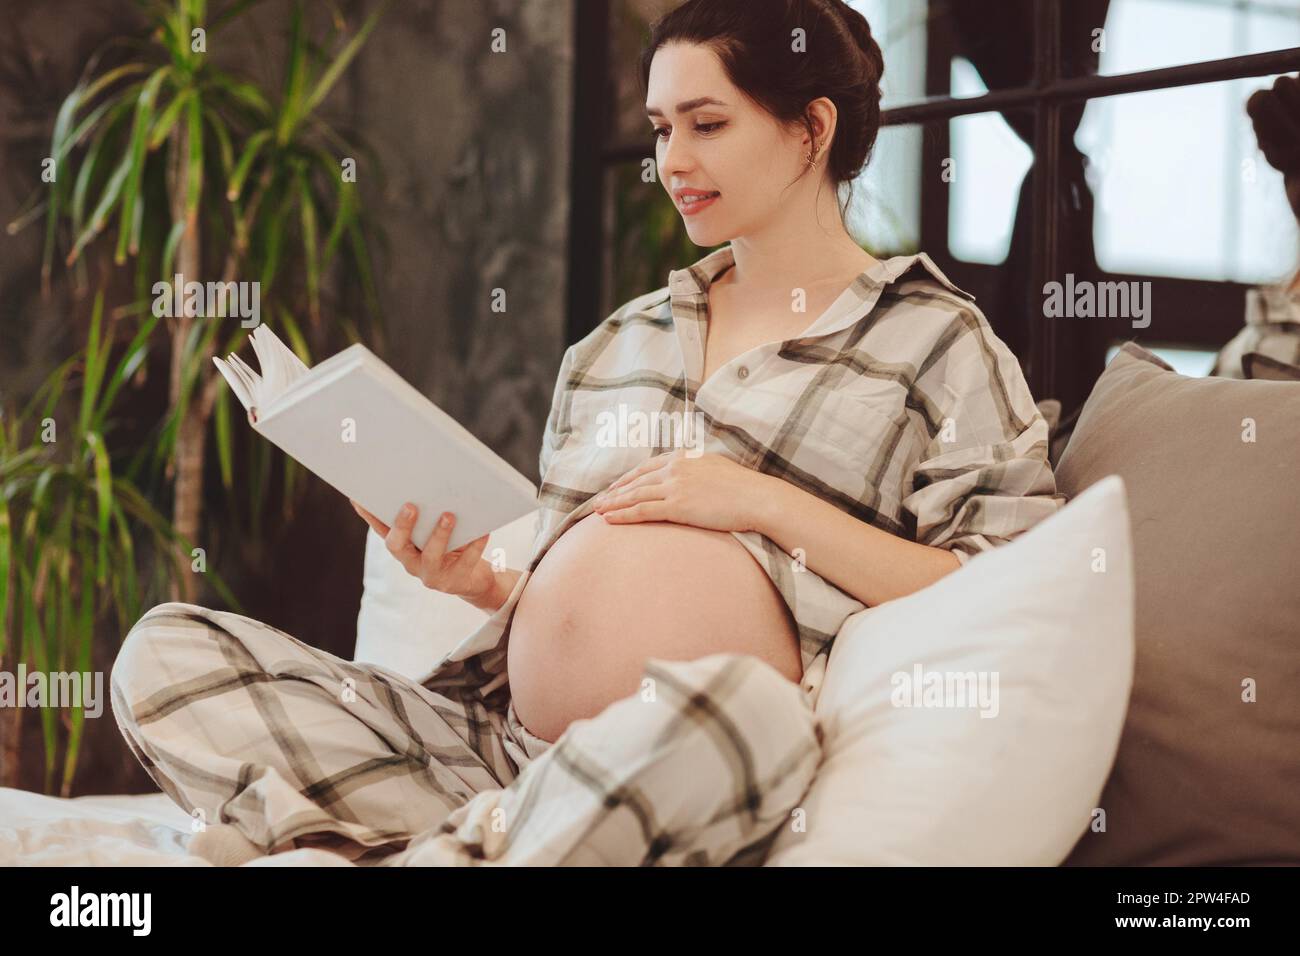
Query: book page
<point x="280" y="368"/>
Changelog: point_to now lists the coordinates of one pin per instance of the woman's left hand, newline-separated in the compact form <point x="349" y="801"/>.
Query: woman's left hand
<point x="707" y="491"/>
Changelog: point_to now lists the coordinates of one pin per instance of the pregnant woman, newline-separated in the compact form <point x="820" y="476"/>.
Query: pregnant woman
<point x="789" y="432"/>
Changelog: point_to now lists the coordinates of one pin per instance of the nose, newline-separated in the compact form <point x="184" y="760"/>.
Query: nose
<point x="674" y="158"/>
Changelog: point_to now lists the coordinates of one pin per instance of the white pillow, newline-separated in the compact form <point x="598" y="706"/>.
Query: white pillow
<point x="407" y="627"/>
<point x="945" y="786"/>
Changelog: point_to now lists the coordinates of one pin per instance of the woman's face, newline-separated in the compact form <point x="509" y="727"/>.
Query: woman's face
<point x="728" y="146"/>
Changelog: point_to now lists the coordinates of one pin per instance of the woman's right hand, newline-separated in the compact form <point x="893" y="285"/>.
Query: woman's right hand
<point x="461" y="572"/>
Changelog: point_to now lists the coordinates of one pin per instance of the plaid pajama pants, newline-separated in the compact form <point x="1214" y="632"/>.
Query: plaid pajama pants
<point x="241" y="723"/>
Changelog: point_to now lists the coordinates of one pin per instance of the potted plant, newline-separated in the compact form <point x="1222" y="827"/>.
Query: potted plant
<point x="74" y="536"/>
<point x="196" y="172"/>
<point x="186" y="168"/>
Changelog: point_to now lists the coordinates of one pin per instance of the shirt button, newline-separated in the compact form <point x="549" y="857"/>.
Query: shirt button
<point x="743" y="372"/>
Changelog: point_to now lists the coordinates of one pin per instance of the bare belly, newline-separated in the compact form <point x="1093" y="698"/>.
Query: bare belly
<point x="606" y="597"/>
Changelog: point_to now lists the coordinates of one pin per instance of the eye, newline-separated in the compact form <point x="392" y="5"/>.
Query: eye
<point x="705" y="128"/>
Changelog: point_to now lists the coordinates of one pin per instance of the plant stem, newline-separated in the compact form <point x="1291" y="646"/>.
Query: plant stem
<point x="192" y="432"/>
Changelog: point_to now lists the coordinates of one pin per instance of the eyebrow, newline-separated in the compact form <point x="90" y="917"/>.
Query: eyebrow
<point x="685" y="106"/>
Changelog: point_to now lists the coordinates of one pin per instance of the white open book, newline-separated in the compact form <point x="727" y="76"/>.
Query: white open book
<point x="359" y="426"/>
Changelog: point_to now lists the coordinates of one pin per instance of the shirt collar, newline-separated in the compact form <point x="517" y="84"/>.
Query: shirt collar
<point x="854" y="302"/>
<point x="695" y="279"/>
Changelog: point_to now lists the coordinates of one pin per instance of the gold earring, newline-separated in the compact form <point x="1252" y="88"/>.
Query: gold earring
<point x="812" y="157"/>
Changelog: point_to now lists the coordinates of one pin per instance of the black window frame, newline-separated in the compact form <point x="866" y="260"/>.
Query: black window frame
<point x="1064" y="356"/>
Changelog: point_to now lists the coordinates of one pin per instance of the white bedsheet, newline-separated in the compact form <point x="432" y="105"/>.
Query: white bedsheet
<point x="146" y="830"/>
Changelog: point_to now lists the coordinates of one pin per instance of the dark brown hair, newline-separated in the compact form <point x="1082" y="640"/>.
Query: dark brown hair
<point x="754" y="41"/>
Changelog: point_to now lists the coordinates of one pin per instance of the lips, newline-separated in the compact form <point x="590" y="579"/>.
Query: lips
<point x="689" y="200"/>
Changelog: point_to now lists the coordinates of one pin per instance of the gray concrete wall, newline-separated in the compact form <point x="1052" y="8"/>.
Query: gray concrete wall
<point x="475" y="150"/>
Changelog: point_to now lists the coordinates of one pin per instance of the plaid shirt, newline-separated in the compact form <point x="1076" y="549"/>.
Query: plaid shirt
<point x="899" y="405"/>
<point x="1272" y="329"/>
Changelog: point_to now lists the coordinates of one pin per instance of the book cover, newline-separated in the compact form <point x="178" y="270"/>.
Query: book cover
<point x="360" y="427"/>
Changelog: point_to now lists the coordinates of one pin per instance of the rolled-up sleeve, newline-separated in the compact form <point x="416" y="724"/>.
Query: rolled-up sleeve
<point x="981" y="475"/>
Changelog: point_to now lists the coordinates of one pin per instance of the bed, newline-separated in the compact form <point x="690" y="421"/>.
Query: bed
<point x="1097" y="736"/>
<point x="143" y="830"/>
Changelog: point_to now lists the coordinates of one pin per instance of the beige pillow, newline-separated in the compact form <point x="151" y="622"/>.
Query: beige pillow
<point x="1208" y="769"/>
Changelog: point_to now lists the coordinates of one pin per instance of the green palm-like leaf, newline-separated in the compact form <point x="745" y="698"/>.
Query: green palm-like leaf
<point x="225" y="447"/>
<point x="346" y="56"/>
<point x="255" y="143"/>
<point x="112" y="192"/>
<point x="135" y="161"/>
<point x="295" y="79"/>
<point x="166" y="120"/>
<point x="311" y="254"/>
<point x="62" y="124"/>
<point x="96" y="361"/>
<point x="6" y="570"/>
<point x="221" y="133"/>
<point x="110" y="77"/>
<point x="194" y="182"/>
<point x="169" y="247"/>
<point x="132" y="359"/>
<point x="104" y="498"/>
<point x="90" y="164"/>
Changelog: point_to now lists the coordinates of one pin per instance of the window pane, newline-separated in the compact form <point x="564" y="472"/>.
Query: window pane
<point x="969" y="172"/>
<point x="989" y="162"/>
<point x="1182" y="189"/>
<point x="995" y="36"/>
<point x="899" y="26"/>
<point x="1193" y="362"/>
<point x="1151" y="34"/>
<point x="884" y="214"/>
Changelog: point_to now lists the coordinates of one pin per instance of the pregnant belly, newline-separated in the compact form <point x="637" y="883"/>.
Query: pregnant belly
<point x="607" y="596"/>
